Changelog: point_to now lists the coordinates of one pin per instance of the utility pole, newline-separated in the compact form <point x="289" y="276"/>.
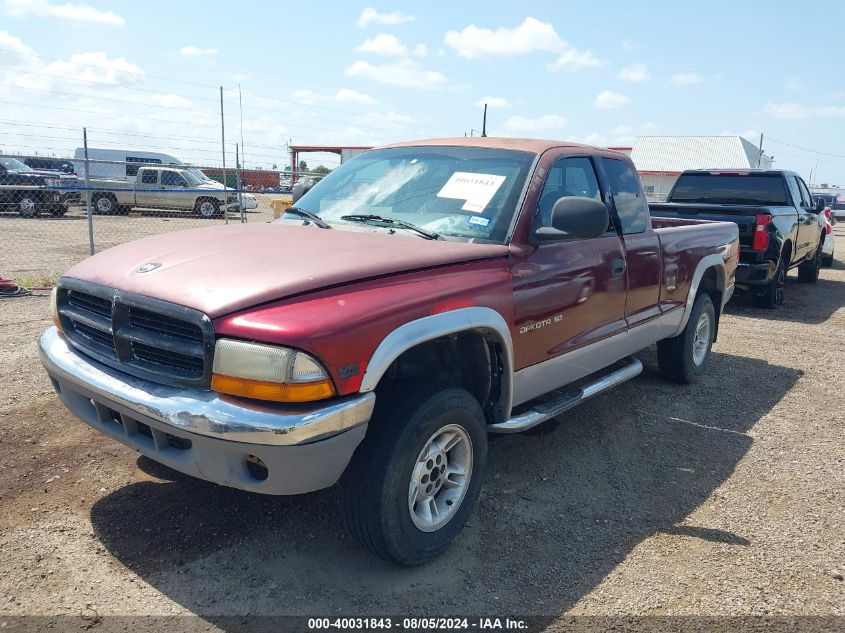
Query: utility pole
<point x="484" y="122"/>
<point x="760" y="152"/>
<point x="240" y="185"/>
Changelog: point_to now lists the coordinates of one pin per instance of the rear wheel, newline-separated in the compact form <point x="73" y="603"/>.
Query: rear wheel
<point x="414" y="479"/>
<point x="774" y="293"/>
<point x="683" y="358"/>
<point x="808" y="272"/>
<point x="104" y="204"/>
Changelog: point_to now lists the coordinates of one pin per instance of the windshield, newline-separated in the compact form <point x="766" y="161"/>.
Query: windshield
<point x="192" y="178"/>
<point x="760" y="189"/>
<point x="198" y="173"/>
<point x="13" y="164"/>
<point x="462" y="192"/>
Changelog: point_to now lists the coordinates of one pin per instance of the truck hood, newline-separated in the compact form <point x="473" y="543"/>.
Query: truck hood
<point x="222" y="269"/>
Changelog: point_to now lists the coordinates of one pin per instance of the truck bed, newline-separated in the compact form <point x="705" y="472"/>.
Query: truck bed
<point x="744" y="216"/>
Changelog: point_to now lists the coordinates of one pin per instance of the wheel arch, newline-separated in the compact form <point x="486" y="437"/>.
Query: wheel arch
<point x="466" y="336"/>
<point x="709" y="276"/>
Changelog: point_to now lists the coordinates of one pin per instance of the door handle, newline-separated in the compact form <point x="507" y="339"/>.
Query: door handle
<point x="617" y="267"/>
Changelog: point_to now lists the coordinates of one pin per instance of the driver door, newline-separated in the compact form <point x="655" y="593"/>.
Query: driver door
<point x="567" y="293"/>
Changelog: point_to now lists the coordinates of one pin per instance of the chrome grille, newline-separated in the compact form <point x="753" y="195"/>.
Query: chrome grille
<point x="140" y="335"/>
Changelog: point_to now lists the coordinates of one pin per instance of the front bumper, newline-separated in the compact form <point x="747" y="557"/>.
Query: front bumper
<point x="214" y="437"/>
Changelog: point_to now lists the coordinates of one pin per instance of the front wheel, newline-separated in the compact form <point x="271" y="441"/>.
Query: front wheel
<point x="207" y="208"/>
<point x="104" y="204"/>
<point x="29" y="206"/>
<point x="415" y="478"/>
<point x="683" y="358"/>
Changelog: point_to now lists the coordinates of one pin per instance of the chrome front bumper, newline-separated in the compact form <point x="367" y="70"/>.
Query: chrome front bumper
<point x="209" y="435"/>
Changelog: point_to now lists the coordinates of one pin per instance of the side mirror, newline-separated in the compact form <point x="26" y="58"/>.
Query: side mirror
<point x="820" y="205"/>
<point x="575" y="217"/>
<point x="301" y="188"/>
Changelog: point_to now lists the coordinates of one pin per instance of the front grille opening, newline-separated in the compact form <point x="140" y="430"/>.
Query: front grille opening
<point x="179" y="443"/>
<point x="190" y="365"/>
<point x="83" y="300"/>
<point x="256" y="468"/>
<point x="144" y="429"/>
<point x="98" y="336"/>
<point x="114" y="416"/>
<point x="165" y="325"/>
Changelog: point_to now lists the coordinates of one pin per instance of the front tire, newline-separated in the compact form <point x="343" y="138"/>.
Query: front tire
<point x="29" y="206"/>
<point x="684" y="358"/>
<point x="415" y="478"/>
<point x="207" y="208"/>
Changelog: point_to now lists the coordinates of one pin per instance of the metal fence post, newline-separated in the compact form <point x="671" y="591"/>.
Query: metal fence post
<point x="88" y="195"/>
<point x="240" y="185"/>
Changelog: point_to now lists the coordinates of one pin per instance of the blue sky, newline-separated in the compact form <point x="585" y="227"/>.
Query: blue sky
<point x="144" y="74"/>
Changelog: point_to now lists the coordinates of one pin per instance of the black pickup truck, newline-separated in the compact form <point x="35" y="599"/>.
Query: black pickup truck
<point x="29" y="191"/>
<point x="780" y="226"/>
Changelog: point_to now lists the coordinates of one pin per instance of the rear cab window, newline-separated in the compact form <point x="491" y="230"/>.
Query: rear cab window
<point x="768" y="190"/>
<point x="628" y="196"/>
<point x="149" y="176"/>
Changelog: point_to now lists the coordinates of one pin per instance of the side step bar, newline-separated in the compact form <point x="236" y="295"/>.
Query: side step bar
<point x="547" y="410"/>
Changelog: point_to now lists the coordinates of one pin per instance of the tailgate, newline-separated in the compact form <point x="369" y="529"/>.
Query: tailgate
<point x="743" y="216"/>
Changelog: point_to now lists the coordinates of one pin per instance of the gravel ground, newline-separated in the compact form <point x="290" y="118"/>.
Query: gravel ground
<point x="721" y="499"/>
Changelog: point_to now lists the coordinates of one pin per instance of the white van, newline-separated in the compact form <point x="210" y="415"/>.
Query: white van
<point x="118" y="163"/>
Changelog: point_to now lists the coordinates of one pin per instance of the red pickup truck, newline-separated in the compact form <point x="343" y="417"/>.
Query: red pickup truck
<point x="419" y="297"/>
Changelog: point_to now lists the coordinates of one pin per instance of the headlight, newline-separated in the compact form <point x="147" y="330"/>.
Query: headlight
<point x="268" y="372"/>
<point x="54" y="307"/>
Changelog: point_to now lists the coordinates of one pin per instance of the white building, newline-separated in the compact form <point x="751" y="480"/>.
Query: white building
<point x="661" y="159"/>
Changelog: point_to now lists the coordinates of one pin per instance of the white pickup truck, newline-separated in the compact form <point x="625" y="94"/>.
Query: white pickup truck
<point x="162" y="188"/>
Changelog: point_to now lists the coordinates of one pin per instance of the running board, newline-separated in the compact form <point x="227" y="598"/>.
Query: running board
<point x="547" y="410"/>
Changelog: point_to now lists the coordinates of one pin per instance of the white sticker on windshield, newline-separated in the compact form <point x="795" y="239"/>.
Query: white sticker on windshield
<point x="475" y="189"/>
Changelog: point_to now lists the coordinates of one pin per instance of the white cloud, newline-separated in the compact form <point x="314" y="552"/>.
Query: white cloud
<point x="195" y="51"/>
<point x="345" y="95"/>
<point x="88" y="68"/>
<point x="607" y="100"/>
<point x="171" y="101"/>
<point x="493" y="102"/>
<point x="405" y="73"/>
<point x="685" y="79"/>
<point x="16" y="52"/>
<point x="420" y="50"/>
<point x="66" y="11"/>
<point x="383" y="44"/>
<point x="546" y="122"/>
<point x="530" y="36"/>
<point x="371" y="16"/>
<point x="634" y="73"/>
<point x="796" y="111"/>
<point x="573" y="60"/>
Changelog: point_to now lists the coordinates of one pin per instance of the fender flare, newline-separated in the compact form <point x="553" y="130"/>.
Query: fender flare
<point x="707" y="262"/>
<point x="411" y="334"/>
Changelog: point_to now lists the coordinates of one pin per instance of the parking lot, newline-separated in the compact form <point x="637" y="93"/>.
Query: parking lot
<point x="723" y="498"/>
<point x="47" y="246"/>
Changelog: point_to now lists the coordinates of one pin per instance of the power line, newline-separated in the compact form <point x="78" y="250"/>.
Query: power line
<point x="806" y="149"/>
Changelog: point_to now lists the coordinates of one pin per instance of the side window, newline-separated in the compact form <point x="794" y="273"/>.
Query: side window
<point x="806" y="198"/>
<point x="567" y="177"/>
<point x="794" y="190"/>
<point x="628" y="196"/>
<point x="172" y="178"/>
<point x="149" y="176"/>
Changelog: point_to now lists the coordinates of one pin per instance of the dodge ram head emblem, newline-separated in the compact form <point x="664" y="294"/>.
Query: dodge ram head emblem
<point x="149" y="267"/>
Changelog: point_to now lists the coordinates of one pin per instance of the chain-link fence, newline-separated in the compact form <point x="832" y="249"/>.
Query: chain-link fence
<point x="55" y="211"/>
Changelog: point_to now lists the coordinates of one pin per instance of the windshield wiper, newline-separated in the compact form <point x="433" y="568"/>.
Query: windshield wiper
<point x="316" y="219"/>
<point x="365" y="218"/>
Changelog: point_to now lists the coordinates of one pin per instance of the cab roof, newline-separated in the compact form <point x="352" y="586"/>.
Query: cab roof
<point x="533" y="145"/>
